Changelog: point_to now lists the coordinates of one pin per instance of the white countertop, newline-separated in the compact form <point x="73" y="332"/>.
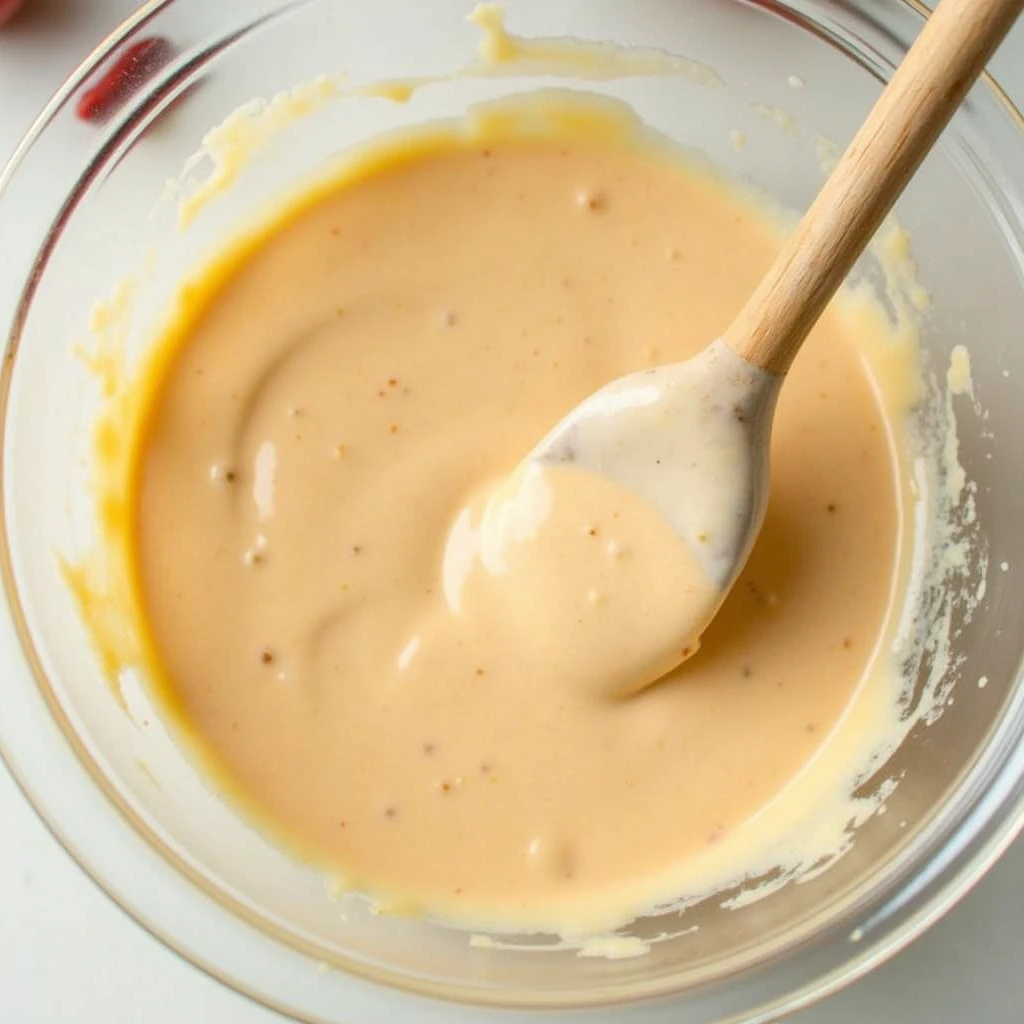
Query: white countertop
<point x="68" y="954"/>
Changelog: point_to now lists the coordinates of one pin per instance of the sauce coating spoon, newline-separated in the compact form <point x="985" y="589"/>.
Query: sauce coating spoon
<point x="692" y="438"/>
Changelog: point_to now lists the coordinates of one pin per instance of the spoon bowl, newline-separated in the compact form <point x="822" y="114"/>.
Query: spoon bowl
<point x="692" y="439"/>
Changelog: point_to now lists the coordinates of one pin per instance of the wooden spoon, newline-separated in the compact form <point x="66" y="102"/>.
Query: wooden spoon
<point x="693" y="437"/>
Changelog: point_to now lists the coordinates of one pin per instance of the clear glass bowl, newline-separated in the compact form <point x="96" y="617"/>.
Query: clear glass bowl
<point x="79" y="209"/>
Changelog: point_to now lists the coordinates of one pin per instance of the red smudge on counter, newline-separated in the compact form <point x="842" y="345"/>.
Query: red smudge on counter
<point x="132" y="68"/>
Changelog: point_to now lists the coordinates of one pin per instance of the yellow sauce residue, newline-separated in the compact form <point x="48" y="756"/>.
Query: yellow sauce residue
<point x="502" y="51"/>
<point x="777" y="116"/>
<point x="100" y="580"/>
<point x="958" y="376"/>
<point x="228" y="147"/>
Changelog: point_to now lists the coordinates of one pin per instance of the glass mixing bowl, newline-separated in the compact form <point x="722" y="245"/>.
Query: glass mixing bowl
<point x="80" y="209"/>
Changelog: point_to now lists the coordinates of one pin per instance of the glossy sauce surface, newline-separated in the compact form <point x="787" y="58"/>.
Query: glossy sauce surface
<point x="340" y="403"/>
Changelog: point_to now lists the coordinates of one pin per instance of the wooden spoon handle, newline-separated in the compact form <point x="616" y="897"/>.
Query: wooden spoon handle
<point x="927" y="87"/>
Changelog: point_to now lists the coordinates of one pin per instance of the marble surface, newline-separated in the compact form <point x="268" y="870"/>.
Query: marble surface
<point x="68" y="954"/>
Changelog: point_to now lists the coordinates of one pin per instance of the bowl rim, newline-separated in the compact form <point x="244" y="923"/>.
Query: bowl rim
<point x="973" y="864"/>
